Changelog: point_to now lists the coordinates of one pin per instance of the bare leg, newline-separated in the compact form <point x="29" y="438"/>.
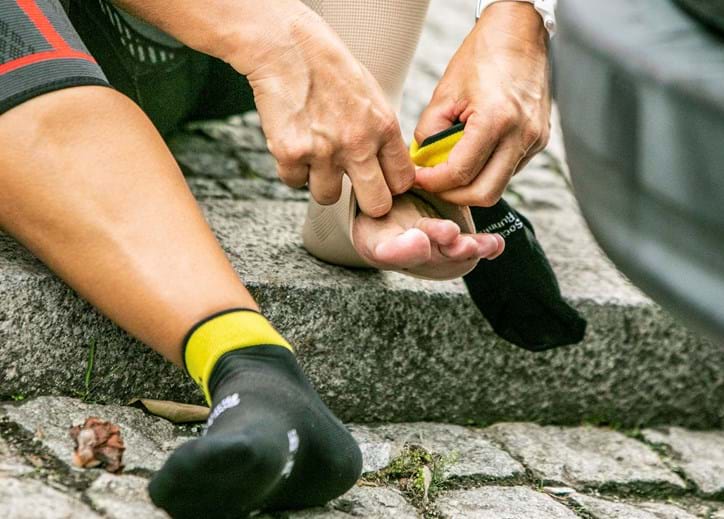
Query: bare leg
<point x="88" y="185"/>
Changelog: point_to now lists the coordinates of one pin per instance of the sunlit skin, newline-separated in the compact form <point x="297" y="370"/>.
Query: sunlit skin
<point x="89" y="186"/>
<point x="323" y="113"/>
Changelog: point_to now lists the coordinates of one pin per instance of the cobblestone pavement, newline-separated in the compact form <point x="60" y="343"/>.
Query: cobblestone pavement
<point x="412" y="470"/>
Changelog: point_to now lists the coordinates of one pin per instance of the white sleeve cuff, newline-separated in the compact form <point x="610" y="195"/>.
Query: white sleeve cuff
<point x="545" y="8"/>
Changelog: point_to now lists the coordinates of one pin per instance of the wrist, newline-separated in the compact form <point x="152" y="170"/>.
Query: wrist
<point x="239" y="32"/>
<point x="255" y="36"/>
<point x="516" y="25"/>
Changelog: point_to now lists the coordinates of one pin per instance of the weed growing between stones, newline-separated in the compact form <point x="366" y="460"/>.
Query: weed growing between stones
<point x="83" y="395"/>
<point x="419" y="474"/>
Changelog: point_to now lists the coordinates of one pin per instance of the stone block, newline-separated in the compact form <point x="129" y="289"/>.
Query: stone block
<point x="501" y="503"/>
<point x="368" y="502"/>
<point x="607" y="509"/>
<point x="123" y="497"/>
<point x="586" y="457"/>
<point x="148" y="440"/>
<point x="699" y="454"/>
<point x="466" y="452"/>
<point x="30" y="499"/>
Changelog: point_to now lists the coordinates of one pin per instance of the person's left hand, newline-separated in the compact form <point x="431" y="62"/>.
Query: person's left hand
<point x="498" y="84"/>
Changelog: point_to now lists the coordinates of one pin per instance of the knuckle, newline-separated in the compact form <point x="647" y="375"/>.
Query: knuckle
<point x="532" y="136"/>
<point x="291" y="152"/>
<point x="507" y="115"/>
<point x="389" y="126"/>
<point x="325" y="195"/>
<point x="324" y="150"/>
<point x="461" y="176"/>
<point x="287" y="176"/>
<point x="355" y="142"/>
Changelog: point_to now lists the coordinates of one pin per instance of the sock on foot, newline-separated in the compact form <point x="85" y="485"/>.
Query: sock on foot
<point x="517" y="292"/>
<point x="270" y="442"/>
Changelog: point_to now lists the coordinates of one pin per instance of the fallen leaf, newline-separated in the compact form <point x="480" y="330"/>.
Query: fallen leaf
<point x="175" y="412"/>
<point x="98" y="443"/>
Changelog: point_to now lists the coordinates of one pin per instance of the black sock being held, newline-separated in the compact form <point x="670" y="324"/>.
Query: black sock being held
<point x="518" y="292"/>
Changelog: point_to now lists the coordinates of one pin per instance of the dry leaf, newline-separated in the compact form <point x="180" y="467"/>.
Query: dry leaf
<point x="98" y="443"/>
<point x="175" y="412"/>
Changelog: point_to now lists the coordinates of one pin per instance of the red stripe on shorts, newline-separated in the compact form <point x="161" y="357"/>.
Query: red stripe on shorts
<point x="43" y="56"/>
<point x="41" y="22"/>
<point x="61" y="49"/>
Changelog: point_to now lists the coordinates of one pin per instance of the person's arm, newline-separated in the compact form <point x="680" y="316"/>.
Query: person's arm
<point x="498" y="84"/>
<point x="321" y="110"/>
<point x="238" y="30"/>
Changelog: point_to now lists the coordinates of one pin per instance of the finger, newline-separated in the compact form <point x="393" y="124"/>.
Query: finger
<point x="492" y="181"/>
<point x="434" y="119"/>
<point x="370" y="188"/>
<point x="396" y="165"/>
<point x="464" y="164"/>
<point x="325" y="182"/>
<point x="293" y="175"/>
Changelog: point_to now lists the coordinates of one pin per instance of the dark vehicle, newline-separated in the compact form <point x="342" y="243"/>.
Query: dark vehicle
<point x="640" y="87"/>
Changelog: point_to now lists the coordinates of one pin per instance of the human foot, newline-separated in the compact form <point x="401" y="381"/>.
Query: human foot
<point x="413" y="238"/>
<point x="270" y="441"/>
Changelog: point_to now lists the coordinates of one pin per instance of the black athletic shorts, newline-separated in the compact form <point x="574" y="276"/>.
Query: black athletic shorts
<point x="40" y="52"/>
<point x="46" y="45"/>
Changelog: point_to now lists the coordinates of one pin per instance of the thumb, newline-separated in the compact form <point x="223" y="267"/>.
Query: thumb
<point x="434" y="119"/>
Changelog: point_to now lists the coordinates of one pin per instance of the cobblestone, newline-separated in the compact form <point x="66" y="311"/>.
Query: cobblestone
<point x="148" y="440"/>
<point x="467" y="453"/>
<point x="31" y="499"/>
<point x="478" y="462"/>
<point x="606" y="509"/>
<point x="123" y="497"/>
<point x="228" y="161"/>
<point x="700" y="454"/>
<point x="501" y="503"/>
<point x="10" y="464"/>
<point x="369" y="502"/>
<point x="377" y="450"/>
<point x="586" y="457"/>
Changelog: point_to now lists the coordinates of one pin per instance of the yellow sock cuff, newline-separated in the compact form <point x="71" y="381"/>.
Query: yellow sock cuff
<point x="437" y="151"/>
<point x="221" y="333"/>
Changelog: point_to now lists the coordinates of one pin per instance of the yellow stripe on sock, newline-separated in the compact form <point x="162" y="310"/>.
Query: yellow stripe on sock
<point x="222" y="334"/>
<point x="434" y="153"/>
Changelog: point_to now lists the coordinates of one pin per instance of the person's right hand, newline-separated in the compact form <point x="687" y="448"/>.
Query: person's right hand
<point x="324" y="114"/>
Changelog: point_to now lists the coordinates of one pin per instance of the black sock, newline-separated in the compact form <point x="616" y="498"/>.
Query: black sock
<point x="518" y="292"/>
<point x="270" y="444"/>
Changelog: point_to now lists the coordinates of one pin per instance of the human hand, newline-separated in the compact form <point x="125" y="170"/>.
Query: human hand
<point x="324" y="114"/>
<point x="498" y="85"/>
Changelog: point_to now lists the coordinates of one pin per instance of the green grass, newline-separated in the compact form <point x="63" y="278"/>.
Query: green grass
<point x="88" y="375"/>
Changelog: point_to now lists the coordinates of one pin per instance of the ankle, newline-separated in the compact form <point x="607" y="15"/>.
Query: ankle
<point x="262" y="357"/>
<point x="222" y="334"/>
